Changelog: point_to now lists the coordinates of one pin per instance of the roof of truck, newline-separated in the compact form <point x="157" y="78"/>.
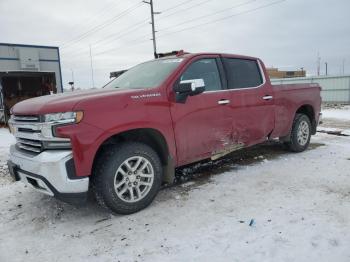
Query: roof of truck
<point x="183" y="54"/>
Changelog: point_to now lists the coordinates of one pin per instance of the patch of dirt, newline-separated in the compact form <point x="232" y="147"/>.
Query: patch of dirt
<point x="202" y="172"/>
<point x="341" y="192"/>
<point x="335" y="123"/>
<point x="333" y="106"/>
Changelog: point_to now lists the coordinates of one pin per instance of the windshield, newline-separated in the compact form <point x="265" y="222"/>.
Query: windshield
<point x="146" y="75"/>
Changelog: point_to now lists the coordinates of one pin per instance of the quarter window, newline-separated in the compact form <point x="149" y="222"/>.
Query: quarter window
<point x="242" y="73"/>
<point x="205" y="69"/>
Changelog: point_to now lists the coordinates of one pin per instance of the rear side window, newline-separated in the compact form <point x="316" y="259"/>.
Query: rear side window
<point x="242" y="73"/>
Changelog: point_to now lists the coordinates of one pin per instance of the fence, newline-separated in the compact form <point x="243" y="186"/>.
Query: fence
<point x="335" y="89"/>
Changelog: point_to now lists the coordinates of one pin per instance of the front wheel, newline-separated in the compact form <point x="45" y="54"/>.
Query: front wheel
<point x="127" y="177"/>
<point x="300" y="133"/>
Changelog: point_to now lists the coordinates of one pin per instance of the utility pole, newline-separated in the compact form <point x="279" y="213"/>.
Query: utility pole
<point x="72" y="82"/>
<point x="153" y="27"/>
<point x="72" y="74"/>
<point x="92" y="70"/>
<point x="343" y="66"/>
<point x="318" y="63"/>
<point x="326" y="68"/>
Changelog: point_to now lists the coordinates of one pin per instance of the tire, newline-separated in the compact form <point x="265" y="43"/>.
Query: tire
<point x="300" y="134"/>
<point x="115" y="179"/>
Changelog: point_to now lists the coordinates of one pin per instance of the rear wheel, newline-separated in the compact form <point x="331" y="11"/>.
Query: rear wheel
<point x="127" y="177"/>
<point x="300" y="134"/>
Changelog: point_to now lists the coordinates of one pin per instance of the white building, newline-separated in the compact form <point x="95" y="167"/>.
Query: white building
<point x="27" y="71"/>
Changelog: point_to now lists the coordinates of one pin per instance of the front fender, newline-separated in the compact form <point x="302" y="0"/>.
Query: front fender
<point x="86" y="140"/>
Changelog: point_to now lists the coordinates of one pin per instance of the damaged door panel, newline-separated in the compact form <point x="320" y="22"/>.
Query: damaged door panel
<point x="204" y="121"/>
<point x="252" y="114"/>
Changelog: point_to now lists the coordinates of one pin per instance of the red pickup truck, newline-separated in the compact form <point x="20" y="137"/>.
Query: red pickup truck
<point x="124" y="140"/>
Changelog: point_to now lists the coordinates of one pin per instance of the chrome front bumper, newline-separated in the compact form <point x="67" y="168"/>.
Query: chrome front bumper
<point x="47" y="172"/>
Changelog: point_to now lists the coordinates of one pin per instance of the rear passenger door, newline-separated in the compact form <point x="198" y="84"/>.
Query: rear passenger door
<point x="252" y="106"/>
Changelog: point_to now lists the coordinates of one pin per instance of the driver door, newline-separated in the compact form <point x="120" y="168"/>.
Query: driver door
<point x="203" y="124"/>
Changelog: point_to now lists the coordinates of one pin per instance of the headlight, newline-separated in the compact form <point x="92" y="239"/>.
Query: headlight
<point x="66" y="117"/>
<point x="51" y="121"/>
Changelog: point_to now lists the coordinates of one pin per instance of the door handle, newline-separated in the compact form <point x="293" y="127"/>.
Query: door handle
<point x="223" y="102"/>
<point x="267" y="97"/>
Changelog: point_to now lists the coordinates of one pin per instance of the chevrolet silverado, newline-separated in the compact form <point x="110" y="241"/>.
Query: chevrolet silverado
<point x="123" y="141"/>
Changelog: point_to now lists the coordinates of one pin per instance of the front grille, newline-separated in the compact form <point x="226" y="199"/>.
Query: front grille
<point x="31" y="145"/>
<point x="26" y="118"/>
<point x="34" y="136"/>
<point x="28" y="131"/>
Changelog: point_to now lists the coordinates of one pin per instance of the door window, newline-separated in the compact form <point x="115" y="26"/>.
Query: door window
<point x="205" y="69"/>
<point x="242" y="73"/>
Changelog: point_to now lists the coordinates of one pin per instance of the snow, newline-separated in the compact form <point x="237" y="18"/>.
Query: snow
<point x="298" y="204"/>
<point x="343" y="114"/>
<point x="6" y="138"/>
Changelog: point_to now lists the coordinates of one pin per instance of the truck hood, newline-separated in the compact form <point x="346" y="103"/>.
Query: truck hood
<point x="64" y="102"/>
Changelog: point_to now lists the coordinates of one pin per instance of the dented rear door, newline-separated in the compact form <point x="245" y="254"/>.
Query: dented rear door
<point x="252" y="106"/>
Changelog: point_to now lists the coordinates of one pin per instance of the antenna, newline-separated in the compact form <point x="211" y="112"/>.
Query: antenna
<point x="318" y="63"/>
<point x="92" y="70"/>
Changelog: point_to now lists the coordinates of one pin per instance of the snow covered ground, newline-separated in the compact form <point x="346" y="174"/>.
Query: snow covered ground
<point x="298" y="206"/>
<point x="340" y="114"/>
<point x="6" y="139"/>
<point x="336" y="120"/>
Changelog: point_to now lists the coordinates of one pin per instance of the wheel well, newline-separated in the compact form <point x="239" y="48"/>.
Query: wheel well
<point x="310" y="113"/>
<point x="148" y="136"/>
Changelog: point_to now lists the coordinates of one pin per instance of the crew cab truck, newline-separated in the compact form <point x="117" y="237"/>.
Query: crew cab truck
<point x="124" y="140"/>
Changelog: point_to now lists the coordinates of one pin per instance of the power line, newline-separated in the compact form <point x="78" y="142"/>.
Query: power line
<point x="111" y="37"/>
<point x="123" y="32"/>
<point x="103" y="25"/>
<point x="175" y="6"/>
<point x="224" y="18"/>
<point x="139" y="41"/>
<point x="185" y="9"/>
<point x="141" y="23"/>
<point x="118" y="36"/>
<point x="131" y="43"/>
<point x="98" y="14"/>
<point x="138" y="25"/>
<point x="211" y="14"/>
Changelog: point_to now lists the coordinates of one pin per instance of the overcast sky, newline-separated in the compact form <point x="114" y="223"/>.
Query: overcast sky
<point x="285" y="34"/>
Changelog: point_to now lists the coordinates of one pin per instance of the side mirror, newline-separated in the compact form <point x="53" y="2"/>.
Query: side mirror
<point x="190" y="87"/>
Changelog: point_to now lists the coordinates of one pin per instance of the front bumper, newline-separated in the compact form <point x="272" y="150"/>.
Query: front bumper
<point x="47" y="173"/>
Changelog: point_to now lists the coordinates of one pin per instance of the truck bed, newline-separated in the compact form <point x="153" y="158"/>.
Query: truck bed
<point x="288" y="99"/>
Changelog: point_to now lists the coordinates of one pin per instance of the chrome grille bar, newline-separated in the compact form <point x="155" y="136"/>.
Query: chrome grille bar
<point x="29" y="148"/>
<point x="21" y="118"/>
<point x="29" y="142"/>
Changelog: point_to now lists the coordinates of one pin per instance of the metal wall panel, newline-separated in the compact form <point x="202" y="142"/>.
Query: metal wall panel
<point x="335" y="89"/>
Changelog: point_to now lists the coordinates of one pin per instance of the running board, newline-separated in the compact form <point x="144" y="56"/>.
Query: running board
<point x="226" y="151"/>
